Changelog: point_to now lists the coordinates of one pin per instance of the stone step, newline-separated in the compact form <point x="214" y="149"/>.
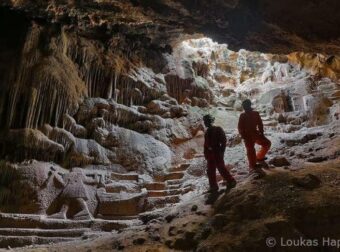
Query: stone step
<point x="21" y="241"/>
<point x="164" y="193"/>
<point x="115" y="217"/>
<point x="30" y="221"/>
<point x="186" y="190"/>
<point x="169" y="176"/>
<point x="77" y="232"/>
<point x="176" y="186"/>
<point x="158" y="202"/>
<point x="120" y="204"/>
<point x="168" y="199"/>
<point x="174" y="182"/>
<point x="270" y="123"/>
<point x="179" y="168"/>
<point x="122" y="185"/>
<point x="331" y="94"/>
<point x="155" y="186"/>
<point x="174" y="175"/>
<point x="127" y="176"/>
<point x="330" y="90"/>
<point x="152" y="194"/>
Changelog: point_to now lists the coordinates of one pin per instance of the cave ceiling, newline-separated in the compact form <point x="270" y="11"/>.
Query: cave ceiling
<point x="259" y="25"/>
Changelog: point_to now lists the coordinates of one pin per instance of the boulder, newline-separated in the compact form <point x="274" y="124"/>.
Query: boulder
<point x="70" y="124"/>
<point x="302" y="140"/>
<point x="20" y="144"/>
<point x="309" y="182"/>
<point x="279" y="161"/>
<point x="146" y="154"/>
<point x="158" y="107"/>
<point x="187" y="242"/>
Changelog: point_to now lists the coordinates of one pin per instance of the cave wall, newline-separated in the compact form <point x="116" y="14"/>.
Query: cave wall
<point x="57" y="68"/>
<point x="65" y="67"/>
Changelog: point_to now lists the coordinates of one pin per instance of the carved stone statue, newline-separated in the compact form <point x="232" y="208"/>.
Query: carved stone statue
<point x="74" y="194"/>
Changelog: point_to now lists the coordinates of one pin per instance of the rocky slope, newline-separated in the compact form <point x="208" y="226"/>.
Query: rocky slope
<point x="102" y="102"/>
<point x="284" y="204"/>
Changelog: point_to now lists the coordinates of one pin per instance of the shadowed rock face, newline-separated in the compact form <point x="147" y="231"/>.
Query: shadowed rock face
<point x="271" y="26"/>
<point x="313" y="20"/>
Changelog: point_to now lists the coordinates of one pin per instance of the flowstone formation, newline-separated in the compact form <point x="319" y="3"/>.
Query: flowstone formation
<point x="101" y="118"/>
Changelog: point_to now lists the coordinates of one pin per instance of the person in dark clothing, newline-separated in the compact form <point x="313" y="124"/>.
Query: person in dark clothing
<point x="214" y="146"/>
<point x="250" y="127"/>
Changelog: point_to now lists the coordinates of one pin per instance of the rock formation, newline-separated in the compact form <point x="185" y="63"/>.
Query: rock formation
<point x="101" y="107"/>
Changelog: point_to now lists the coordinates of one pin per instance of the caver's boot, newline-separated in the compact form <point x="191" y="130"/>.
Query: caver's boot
<point x="212" y="190"/>
<point x="231" y="184"/>
<point x="259" y="160"/>
<point x="212" y="197"/>
<point x="262" y="164"/>
<point x="257" y="173"/>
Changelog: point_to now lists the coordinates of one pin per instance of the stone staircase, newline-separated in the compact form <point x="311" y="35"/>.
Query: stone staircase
<point x="116" y="210"/>
<point x="332" y="91"/>
<point x="335" y="96"/>
<point x="19" y="230"/>
<point x="267" y="120"/>
<point x="167" y="189"/>
<point x="115" y="203"/>
<point x="128" y="177"/>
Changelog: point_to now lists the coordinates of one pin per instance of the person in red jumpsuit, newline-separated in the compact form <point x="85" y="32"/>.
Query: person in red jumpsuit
<point x="250" y="127"/>
<point x="215" y="142"/>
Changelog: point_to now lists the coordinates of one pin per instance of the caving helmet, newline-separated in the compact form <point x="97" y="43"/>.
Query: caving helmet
<point x="246" y="104"/>
<point x="208" y="119"/>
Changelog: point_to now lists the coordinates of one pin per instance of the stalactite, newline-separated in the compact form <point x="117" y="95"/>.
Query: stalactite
<point x="195" y="89"/>
<point x="115" y="95"/>
<point x="18" y="87"/>
<point x="39" y="74"/>
<point x="109" y="91"/>
<point x="37" y="92"/>
<point x="180" y="88"/>
<point x="31" y="107"/>
<point x="104" y="78"/>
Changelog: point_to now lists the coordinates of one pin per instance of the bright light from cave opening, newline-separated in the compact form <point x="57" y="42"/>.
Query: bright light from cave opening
<point x="223" y="68"/>
<point x="262" y="77"/>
